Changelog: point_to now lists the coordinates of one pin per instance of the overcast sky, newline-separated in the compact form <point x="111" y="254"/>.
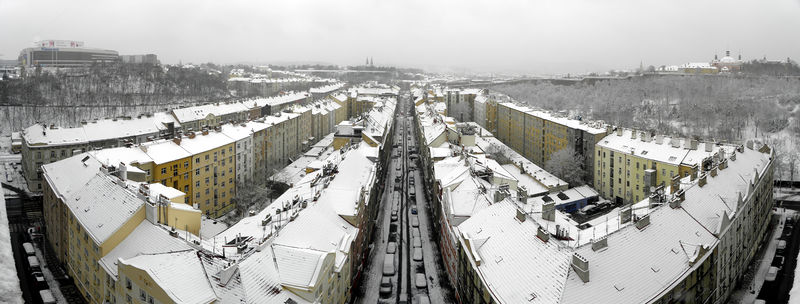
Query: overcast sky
<point x="563" y="36"/>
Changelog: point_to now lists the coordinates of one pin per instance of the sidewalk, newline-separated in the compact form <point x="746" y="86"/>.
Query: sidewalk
<point x="749" y="291"/>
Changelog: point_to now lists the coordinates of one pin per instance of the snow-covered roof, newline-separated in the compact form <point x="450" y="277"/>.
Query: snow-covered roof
<point x="327" y="89"/>
<point x="516" y="265"/>
<point x="355" y="172"/>
<point x="157" y="189"/>
<point x="589" y="127"/>
<point x="664" y="152"/>
<point x="126" y="155"/>
<point x="164" y="151"/>
<point x="203" y="143"/>
<point x="146" y="238"/>
<point x="202" y="111"/>
<point x="523" y="179"/>
<point x="170" y="272"/>
<point x="99" y="130"/>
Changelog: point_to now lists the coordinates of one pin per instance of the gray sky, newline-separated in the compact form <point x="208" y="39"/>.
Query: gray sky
<point x="493" y="36"/>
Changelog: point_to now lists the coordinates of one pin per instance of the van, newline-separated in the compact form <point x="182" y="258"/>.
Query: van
<point x="33" y="262"/>
<point x="781" y="245"/>
<point x="388" y="265"/>
<point x="28" y="248"/>
<point x="47" y="296"/>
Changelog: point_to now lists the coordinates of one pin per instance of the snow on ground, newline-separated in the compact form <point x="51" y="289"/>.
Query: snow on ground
<point x="9" y="282"/>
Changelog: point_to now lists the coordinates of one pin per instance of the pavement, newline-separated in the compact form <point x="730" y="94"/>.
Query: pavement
<point x="753" y="284"/>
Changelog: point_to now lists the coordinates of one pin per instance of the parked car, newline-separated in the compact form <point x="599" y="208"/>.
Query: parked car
<point x="391" y="247"/>
<point x="417" y="255"/>
<point x="386" y="285"/>
<point x="420" y="280"/>
<point x="28" y="248"/>
<point x="772" y="273"/>
<point x="414" y="222"/>
<point x="388" y="265"/>
<point x="422" y="299"/>
<point x="38" y="276"/>
<point x="47" y="296"/>
<point x="413" y="210"/>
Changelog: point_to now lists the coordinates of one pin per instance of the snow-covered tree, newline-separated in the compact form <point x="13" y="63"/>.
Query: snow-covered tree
<point x="568" y="166"/>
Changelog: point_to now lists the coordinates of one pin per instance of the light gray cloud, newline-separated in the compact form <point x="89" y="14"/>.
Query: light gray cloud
<point x="518" y="36"/>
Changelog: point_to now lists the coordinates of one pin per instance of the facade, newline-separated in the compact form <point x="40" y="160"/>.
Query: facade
<point x="212" y="158"/>
<point x="140" y="59"/>
<point x="538" y="134"/>
<point x="630" y="163"/>
<point x="172" y="166"/>
<point x="461" y="103"/>
<point x="65" y="54"/>
<point x="245" y="153"/>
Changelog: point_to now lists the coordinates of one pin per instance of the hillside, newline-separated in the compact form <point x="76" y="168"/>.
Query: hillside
<point x="67" y="97"/>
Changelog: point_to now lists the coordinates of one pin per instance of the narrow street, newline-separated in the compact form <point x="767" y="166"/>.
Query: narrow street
<point x="404" y="253"/>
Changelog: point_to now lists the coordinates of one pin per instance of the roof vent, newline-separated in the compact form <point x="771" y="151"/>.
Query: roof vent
<point x="581" y="267"/>
<point x="520" y="215"/>
<point x="542" y="234"/>
<point x="643" y="222"/>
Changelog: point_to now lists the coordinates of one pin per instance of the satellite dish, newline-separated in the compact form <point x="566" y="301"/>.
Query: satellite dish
<point x="652" y="189"/>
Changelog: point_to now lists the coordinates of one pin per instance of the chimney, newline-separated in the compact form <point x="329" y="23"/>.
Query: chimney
<point x="581" y="266"/>
<point x="176" y="140"/>
<point x="740" y="148"/>
<point x="549" y="211"/>
<point x="633" y="134"/>
<point x="675" y="142"/>
<point x="702" y="181"/>
<point x="675" y="184"/>
<point x="675" y="202"/>
<point x="609" y="129"/>
<point x="542" y="234"/>
<point x="709" y="146"/>
<point x="205" y="132"/>
<point x="714" y="171"/>
<point x="659" y="139"/>
<point x="733" y="155"/>
<point x="647" y="136"/>
<point x="643" y="222"/>
<point x="693" y="174"/>
<point x="600" y="244"/>
<point x="522" y="194"/>
<point x="619" y="131"/>
<point x="693" y="144"/>
<point x="191" y="135"/>
<point x="53" y="126"/>
<point x="122" y="171"/>
<point x="723" y="164"/>
<point x="520" y="215"/>
<point x="681" y="194"/>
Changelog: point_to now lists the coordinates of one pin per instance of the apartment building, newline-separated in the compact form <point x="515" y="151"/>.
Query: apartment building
<point x="43" y="144"/>
<point x="630" y="163"/>
<point x="245" y="151"/>
<point x="172" y="166"/>
<point x="196" y="118"/>
<point x="212" y="158"/>
<point x="538" y="134"/>
<point x="461" y="103"/>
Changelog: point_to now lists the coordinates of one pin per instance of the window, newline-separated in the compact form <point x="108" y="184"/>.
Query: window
<point x="128" y="283"/>
<point x="164" y="170"/>
<point x="186" y="176"/>
<point x="197" y="194"/>
<point x="197" y="184"/>
<point x="197" y="172"/>
<point x="53" y="154"/>
<point x="206" y="190"/>
<point x="197" y="160"/>
<point x="206" y="168"/>
<point x="186" y="164"/>
<point x="206" y="180"/>
<point x="128" y="298"/>
<point x="186" y="188"/>
<point x="142" y="295"/>
<point x="38" y="155"/>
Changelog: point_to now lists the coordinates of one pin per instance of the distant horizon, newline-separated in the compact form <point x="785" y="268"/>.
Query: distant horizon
<point x="537" y="37"/>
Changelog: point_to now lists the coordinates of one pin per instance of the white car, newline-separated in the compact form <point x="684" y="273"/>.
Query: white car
<point x="421" y="281"/>
<point x="772" y="273"/>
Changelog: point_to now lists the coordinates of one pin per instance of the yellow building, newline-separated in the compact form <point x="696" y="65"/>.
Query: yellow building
<point x="172" y="165"/>
<point x="213" y="162"/>
<point x="629" y="163"/>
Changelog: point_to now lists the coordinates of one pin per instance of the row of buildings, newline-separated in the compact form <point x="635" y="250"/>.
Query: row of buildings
<point x="125" y="240"/>
<point x="43" y="143"/>
<point x="689" y="239"/>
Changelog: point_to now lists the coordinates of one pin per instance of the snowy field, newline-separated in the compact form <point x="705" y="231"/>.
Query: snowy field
<point x="9" y="282"/>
